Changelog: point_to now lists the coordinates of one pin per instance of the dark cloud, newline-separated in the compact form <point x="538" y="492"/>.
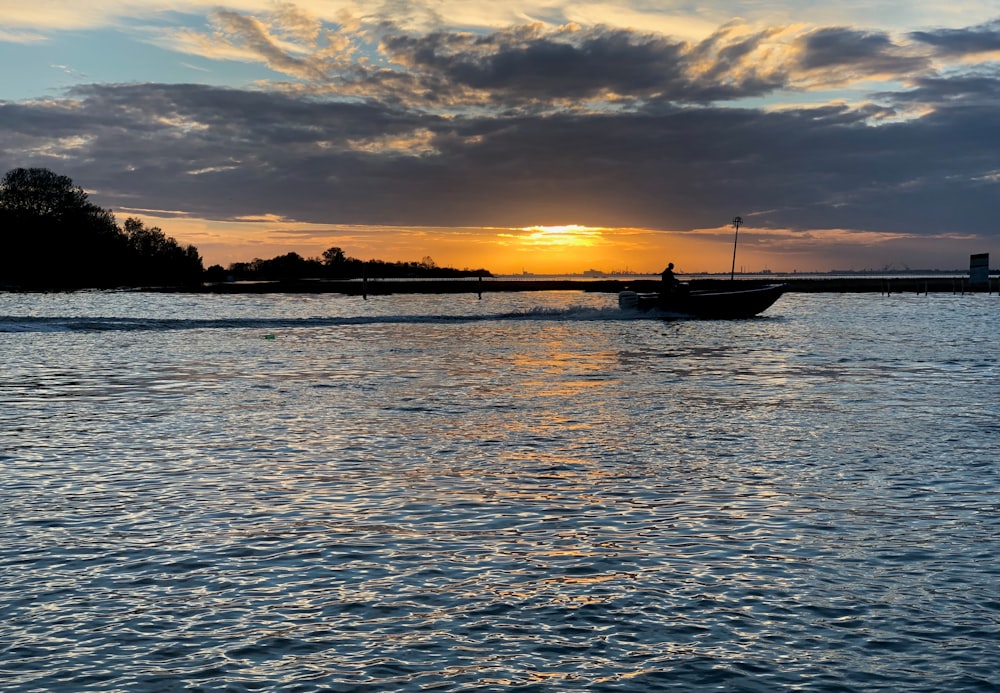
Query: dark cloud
<point x="538" y="68"/>
<point x="528" y="64"/>
<point x="970" y="41"/>
<point x="660" y="163"/>
<point x="970" y="88"/>
<point x="866" y="52"/>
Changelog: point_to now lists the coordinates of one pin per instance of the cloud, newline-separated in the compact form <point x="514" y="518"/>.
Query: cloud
<point x="258" y="41"/>
<point x="538" y="125"/>
<point x="526" y="66"/>
<point x="541" y="67"/>
<point x="534" y="64"/>
<point x="15" y="36"/>
<point x="984" y="38"/>
<point x="261" y="153"/>
<point x="967" y="89"/>
<point x="857" y="54"/>
<point x="666" y="16"/>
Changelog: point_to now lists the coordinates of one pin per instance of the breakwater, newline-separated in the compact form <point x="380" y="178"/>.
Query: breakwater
<point x="376" y="287"/>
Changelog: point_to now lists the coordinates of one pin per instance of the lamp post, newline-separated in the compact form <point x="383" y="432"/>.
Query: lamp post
<point x="736" y="222"/>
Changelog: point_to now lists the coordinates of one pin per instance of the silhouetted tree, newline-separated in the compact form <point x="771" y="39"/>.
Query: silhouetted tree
<point x="157" y="258"/>
<point x="284" y="267"/>
<point x="333" y="257"/>
<point x="288" y="266"/>
<point x="54" y="237"/>
<point x="40" y="193"/>
<point x="216" y="273"/>
<point x="335" y="264"/>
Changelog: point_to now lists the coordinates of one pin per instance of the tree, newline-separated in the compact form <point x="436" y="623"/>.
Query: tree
<point x="38" y="192"/>
<point x="156" y="258"/>
<point x="146" y="242"/>
<point x="52" y="236"/>
<point x="333" y="257"/>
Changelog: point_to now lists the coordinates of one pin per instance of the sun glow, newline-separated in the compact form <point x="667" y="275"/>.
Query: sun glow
<point x="563" y="249"/>
<point x="570" y="235"/>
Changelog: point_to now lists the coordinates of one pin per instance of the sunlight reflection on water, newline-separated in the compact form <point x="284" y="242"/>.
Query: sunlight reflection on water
<point x="542" y="493"/>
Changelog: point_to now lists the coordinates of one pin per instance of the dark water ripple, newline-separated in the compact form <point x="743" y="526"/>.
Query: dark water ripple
<point x="807" y="501"/>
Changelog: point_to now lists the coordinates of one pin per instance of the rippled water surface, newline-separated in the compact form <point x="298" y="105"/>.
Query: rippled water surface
<point x="530" y="490"/>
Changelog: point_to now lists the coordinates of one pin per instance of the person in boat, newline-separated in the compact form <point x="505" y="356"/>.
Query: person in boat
<point x="669" y="283"/>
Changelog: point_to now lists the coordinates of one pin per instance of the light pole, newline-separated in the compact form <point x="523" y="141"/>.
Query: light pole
<point x="736" y="222"/>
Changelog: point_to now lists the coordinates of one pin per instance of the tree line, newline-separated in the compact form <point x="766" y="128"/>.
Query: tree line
<point x="53" y="237"/>
<point x="334" y="264"/>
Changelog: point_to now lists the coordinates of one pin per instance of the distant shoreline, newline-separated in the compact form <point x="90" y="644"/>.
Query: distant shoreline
<point x="381" y="287"/>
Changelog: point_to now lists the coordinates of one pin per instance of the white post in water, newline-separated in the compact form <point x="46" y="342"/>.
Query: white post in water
<point x="736" y="222"/>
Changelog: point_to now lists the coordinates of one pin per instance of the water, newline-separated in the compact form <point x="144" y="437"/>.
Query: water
<point x="530" y="491"/>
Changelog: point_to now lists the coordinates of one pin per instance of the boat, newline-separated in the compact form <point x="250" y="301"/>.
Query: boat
<point x="717" y="303"/>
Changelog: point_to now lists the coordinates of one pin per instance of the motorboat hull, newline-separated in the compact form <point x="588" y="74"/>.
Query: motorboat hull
<point x="715" y="304"/>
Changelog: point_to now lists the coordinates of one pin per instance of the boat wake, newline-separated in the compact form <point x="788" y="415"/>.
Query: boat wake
<point x="33" y="324"/>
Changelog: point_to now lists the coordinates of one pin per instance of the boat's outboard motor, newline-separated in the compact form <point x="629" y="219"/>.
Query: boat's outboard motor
<point x="628" y="300"/>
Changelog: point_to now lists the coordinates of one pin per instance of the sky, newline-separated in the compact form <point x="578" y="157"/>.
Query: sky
<point x="541" y="136"/>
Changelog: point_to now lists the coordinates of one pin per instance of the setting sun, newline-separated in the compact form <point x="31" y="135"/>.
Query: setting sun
<point x="573" y="235"/>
